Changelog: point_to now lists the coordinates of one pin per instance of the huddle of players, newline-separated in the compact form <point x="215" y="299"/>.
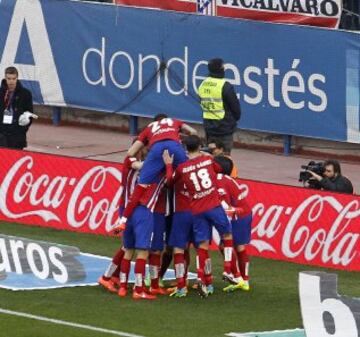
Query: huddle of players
<point x="204" y="195"/>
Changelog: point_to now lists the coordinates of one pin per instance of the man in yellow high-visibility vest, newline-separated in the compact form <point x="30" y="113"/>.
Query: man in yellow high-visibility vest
<point x="220" y="106"/>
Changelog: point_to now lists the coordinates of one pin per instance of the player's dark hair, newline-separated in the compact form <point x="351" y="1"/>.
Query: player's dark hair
<point x="192" y="143"/>
<point x="160" y="116"/>
<point x="335" y="164"/>
<point x="219" y="144"/>
<point x="226" y="164"/>
<point x="11" y="71"/>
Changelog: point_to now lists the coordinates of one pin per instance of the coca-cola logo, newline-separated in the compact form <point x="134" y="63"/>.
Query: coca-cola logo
<point x="320" y="227"/>
<point x="292" y="224"/>
<point x="22" y="194"/>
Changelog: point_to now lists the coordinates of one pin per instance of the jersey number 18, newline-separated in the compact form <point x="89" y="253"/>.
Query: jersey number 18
<point x="201" y="179"/>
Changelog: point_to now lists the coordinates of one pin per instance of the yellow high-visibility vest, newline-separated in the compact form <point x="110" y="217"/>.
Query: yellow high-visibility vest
<point x="210" y="92"/>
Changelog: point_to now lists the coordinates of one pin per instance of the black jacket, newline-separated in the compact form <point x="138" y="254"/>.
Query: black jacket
<point x="228" y="124"/>
<point x="337" y="184"/>
<point x="21" y="102"/>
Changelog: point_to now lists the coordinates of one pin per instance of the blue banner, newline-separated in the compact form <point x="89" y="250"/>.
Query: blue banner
<point x="30" y="264"/>
<point x="290" y="80"/>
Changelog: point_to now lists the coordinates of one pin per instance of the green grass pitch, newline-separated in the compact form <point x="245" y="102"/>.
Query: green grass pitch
<point x="271" y="304"/>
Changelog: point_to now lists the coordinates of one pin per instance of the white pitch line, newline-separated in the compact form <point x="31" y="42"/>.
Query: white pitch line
<point x="74" y="325"/>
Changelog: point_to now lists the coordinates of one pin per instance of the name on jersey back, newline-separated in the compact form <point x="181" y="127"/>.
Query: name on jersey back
<point x="196" y="166"/>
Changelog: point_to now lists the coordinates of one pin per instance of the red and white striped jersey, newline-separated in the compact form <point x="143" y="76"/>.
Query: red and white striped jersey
<point x="151" y="195"/>
<point x="231" y="193"/>
<point x="199" y="177"/>
<point x="181" y="200"/>
<point x="167" y="128"/>
<point x="128" y="180"/>
<point x="163" y="204"/>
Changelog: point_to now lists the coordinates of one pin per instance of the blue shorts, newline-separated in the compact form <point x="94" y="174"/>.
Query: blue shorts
<point x="203" y="223"/>
<point x="158" y="239"/>
<point x="139" y="229"/>
<point x="181" y="230"/>
<point x="154" y="164"/>
<point x="241" y="228"/>
<point x="121" y="211"/>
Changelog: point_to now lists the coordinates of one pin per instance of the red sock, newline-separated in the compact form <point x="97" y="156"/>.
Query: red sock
<point x="124" y="272"/>
<point x="165" y="262"/>
<point x="179" y="264"/>
<point x="154" y="266"/>
<point x="118" y="257"/>
<point x="117" y="260"/>
<point x="116" y="272"/>
<point x="204" y="266"/>
<point x="139" y="275"/>
<point x="228" y="248"/>
<point x="187" y="263"/>
<point x="134" y="200"/>
<point x="244" y="261"/>
<point x="234" y="265"/>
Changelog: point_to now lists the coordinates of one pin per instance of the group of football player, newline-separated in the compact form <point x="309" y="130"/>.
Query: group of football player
<point x="173" y="195"/>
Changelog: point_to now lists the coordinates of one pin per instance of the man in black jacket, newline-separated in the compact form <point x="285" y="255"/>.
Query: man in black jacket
<point x="16" y="111"/>
<point x="332" y="180"/>
<point x="220" y="106"/>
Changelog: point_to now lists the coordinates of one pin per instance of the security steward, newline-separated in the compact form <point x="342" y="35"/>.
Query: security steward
<point x="16" y="111"/>
<point x="220" y="106"/>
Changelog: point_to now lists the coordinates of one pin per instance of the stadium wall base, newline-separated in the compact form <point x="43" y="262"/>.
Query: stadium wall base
<point x="242" y="139"/>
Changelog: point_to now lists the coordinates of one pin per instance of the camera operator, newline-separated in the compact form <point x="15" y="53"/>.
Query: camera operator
<point x="332" y="180"/>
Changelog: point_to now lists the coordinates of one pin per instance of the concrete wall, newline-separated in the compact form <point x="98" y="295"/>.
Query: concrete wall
<point x="243" y="138"/>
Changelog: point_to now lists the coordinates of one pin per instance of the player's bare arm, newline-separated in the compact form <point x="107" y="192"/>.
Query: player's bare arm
<point x="135" y="148"/>
<point x="168" y="161"/>
<point x="188" y="129"/>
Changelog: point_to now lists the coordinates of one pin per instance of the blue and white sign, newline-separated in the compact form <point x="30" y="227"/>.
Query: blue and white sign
<point x="28" y="265"/>
<point x="290" y="80"/>
<point x="275" y="333"/>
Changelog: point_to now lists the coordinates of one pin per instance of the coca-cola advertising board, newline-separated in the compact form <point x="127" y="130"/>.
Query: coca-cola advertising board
<point x="59" y="192"/>
<point x="290" y="223"/>
<point x="304" y="225"/>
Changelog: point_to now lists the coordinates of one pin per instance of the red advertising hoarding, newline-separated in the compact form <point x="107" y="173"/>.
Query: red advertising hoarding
<point x="59" y="192"/>
<point x="293" y="224"/>
<point x="324" y="13"/>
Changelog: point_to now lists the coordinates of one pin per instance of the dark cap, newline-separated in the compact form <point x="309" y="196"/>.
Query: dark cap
<point x="216" y="65"/>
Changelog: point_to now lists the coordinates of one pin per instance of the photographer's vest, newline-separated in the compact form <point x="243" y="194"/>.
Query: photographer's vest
<point x="210" y="92"/>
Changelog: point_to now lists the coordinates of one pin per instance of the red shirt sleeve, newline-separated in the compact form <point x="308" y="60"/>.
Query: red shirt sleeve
<point x="179" y="124"/>
<point x="176" y="175"/>
<point x="129" y="161"/>
<point x="217" y="167"/>
<point x="234" y="192"/>
<point x="169" y="174"/>
<point x="144" y="136"/>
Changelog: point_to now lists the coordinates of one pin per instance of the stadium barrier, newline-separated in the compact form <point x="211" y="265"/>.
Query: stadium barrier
<point x="325" y="13"/>
<point x="291" y="80"/>
<point x="290" y="223"/>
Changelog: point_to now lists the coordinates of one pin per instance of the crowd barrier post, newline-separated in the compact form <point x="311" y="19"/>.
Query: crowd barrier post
<point x="133" y="128"/>
<point x="56" y="116"/>
<point x="287" y="145"/>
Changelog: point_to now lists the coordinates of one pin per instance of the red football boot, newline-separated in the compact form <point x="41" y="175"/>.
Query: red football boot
<point x="143" y="296"/>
